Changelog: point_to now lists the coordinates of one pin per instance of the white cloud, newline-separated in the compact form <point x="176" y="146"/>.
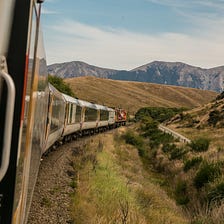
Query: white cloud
<point x="214" y="4"/>
<point x="50" y="1"/>
<point x="47" y="11"/>
<point x="121" y="49"/>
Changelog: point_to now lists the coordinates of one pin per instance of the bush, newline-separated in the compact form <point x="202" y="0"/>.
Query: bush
<point x="214" y="117"/>
<point x="200" y="144"/>
<point x="207" y="173"/>
<point x="160" y="114"/>
<point x="135" y="140"/>
<point x="149" y="128"/>
<point x="216" y="194"/>
<point x="181" y="193"/>
<point x="177" y="153"/>
<point x="168" y="148"/>
<point x="60" y="85"/>
<point x="191" y="163"/>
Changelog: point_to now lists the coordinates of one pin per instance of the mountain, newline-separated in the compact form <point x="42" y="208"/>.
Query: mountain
<point x="176" y="73"/>
<point x="77" y="69"/>
<point x="135" y="95"/>
<point x="170" y="73"/>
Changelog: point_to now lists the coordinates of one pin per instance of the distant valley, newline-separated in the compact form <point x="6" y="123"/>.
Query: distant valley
<point x="168" y="73"/>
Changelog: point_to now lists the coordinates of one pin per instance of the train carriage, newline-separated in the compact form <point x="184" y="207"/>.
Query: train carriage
<point x="89" y="117"/>
<point x="103" y="116"/>
<point x="56" y="117"/>
<point x="111" y="121"/>
<point x="22" y="75"/>
<point x="73" y="117"/>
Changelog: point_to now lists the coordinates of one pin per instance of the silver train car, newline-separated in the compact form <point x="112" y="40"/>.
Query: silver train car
<point x="34" y="116"/>
<point x="71" y="118"/>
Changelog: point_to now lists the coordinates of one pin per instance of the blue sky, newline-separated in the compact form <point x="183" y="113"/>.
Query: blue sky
<point x="124" y="34"/>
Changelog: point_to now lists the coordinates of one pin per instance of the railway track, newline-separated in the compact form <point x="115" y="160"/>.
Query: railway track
<point x="174" y="134"/>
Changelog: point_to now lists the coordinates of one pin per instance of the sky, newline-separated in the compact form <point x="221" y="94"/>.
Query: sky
<point x="125" y="34"/>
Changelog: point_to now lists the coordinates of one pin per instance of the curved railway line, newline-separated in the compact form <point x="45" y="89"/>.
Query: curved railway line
<point x="174" y="134"/>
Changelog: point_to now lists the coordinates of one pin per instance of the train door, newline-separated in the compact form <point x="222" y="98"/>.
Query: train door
<point x="17" y="78"/>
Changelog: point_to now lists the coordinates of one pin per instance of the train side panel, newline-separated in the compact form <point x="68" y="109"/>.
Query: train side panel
<point x="27" y="68"/>
<point x="111" y="120"/>
<point x="103" y="116"/>
<point x="56" y="116"/>
<point x="72" y="117"/>
<point x="89" y="117"/>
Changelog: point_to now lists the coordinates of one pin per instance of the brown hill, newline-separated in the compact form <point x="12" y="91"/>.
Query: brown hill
<point x="134" y="95"/>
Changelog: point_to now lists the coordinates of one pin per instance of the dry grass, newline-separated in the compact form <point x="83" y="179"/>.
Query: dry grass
<point x="135" y="95"/>
<point x="119" y="190"/>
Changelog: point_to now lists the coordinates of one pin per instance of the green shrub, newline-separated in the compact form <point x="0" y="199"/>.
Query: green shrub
<point x="200" y="144"/>
<point x="137" y="141"/>
<point x="167" y="148"/>
<point x="154" y="143"/>
<point x="60" y="85"/>
<point x="164" y="138"/>
<point x="181" y="193"/>
<point x="214" y="117"/>
<point x="177" y="153"/>
<point x="216" y="194"/>
<point x="133" y="139"/>
<point x="207" y="173"/>
<point x="149" y="128"/>
<point x="157" y="113"/>
<point x="191" y="163"/>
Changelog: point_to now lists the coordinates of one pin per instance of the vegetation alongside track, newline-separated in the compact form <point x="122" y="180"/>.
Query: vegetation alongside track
<point x="113" y="186"/>
<point x="192" y="177"/>
<point x="138" y="174"/>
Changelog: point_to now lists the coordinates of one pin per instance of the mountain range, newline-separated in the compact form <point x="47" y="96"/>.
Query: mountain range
<point x="168" y="73"/>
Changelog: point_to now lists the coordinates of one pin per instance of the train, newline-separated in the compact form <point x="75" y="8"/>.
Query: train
<point x="69" y="118"/>
<point x="34" y="116"/>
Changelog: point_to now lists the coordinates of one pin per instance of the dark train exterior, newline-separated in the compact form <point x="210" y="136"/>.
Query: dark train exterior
<point x="34" y="116"/>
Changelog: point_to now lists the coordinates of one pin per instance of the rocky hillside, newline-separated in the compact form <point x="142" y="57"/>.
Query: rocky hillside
<point x="170" y="73"/>
<point x="77" y="69"/>
<point x="204" y="117"/>
<point x="176" y="73"/>
<point x="134" y="95"/>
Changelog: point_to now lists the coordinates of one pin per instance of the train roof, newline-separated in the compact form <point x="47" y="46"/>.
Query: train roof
<point x="101" y="107"/>
<point x="83" y="103"/>
<point x="110" y="109"/>
<point x="70" y="99"/>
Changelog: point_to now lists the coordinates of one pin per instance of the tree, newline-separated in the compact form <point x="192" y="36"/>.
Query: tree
<point x="60" y="85"/>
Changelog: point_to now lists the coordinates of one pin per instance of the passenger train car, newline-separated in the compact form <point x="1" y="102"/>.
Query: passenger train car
<point x="34" y="116"/>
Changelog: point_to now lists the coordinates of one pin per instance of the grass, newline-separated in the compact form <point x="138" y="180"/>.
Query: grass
<point x="134" y="95"/>
<point x="118" y="190"/>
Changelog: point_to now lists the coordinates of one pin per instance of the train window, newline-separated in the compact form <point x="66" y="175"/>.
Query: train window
<point x="104" y="115"/>
<point x="73" y="113"/>
<point x="70" y="113"/>
<point x="90" y="114"/>
<point x="78" y="114"/>
<point x="55" y="119"/>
